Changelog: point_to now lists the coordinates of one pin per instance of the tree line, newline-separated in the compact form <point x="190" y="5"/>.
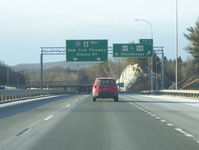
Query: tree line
<point x="10" y="77"/>
<point x="114" y="68"/>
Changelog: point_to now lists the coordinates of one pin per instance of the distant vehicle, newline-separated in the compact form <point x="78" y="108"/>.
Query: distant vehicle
<point x="105" y="88"/>
<point x="5" y="87"/>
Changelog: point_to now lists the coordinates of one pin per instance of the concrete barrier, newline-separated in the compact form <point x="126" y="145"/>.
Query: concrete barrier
<point x="10" y="95"/>
<point x="184" y="93"/>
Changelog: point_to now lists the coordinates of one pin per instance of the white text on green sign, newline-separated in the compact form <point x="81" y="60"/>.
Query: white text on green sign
<point x="87" y="50"/>
<point x="132" y="50"/>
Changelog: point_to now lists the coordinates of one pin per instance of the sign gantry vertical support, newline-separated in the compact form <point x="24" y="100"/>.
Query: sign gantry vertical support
<point x="41" y="71"/>
<point x="49" y="51"/>
<point x="159" y="50"/>
<point x="152" y="53"/>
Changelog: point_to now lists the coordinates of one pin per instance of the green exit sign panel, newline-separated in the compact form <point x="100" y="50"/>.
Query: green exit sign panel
<point x="87" y="50"/>
<point x="121" y="84"/>
<point x="145" y="41"/>
<point x="132" y="50"/>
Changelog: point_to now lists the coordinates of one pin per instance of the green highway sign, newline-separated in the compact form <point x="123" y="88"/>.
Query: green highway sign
<point x="132" y="50"/>
<point x="121" y="84"/>
<point x="87" y="50"/>
<point x="146" y="41"/>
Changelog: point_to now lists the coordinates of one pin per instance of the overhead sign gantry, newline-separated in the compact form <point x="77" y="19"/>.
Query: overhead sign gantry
<point x="98" y="50"/>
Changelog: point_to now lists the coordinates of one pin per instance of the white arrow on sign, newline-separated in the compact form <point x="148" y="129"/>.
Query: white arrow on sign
<point x="149" y="53"/>
<point x="98" y="59"/>
<point x="75" y="59"/>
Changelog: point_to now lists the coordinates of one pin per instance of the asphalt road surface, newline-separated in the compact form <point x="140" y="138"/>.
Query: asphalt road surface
<point x="75" y="122"/>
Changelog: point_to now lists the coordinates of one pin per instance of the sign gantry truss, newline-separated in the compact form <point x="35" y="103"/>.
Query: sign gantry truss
<point x="62" y="50"/>
<point x="49" y="51"/>
<point x="53" y="50"/>
<point x="159" y="50"/>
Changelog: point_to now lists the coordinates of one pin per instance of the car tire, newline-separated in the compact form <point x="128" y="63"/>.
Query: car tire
<point x="116" y="99"/>
<point x="94" y="99"/>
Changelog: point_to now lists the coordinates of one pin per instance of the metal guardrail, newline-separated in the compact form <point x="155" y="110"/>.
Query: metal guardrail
<point x="184" y="93"/>
<point x="10" y="95"/>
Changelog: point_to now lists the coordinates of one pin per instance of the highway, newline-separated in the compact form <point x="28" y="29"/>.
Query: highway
<point x="75" y="122"/>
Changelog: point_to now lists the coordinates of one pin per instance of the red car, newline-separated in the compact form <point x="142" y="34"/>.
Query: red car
<point x="105" y="88"/>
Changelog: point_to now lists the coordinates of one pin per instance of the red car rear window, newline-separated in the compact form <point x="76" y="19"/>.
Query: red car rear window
<point x="105" y="82"/>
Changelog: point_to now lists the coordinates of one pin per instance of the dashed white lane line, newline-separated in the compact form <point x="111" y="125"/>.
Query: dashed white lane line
<point x="180" y="130"/>
<point x="183" y="132"/>
<point x="163" y="120"/>
<point x="68" y="105"/>
<point x="170" y="125"/>
<point x="157" y="118"/>
<point x="48" y="118"/>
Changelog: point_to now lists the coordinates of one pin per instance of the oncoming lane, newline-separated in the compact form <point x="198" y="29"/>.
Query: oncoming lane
<point x="23" y="122"/>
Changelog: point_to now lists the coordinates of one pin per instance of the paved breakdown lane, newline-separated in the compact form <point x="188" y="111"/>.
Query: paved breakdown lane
<point x="81" y="124"/>
<point x="177" y="112"/>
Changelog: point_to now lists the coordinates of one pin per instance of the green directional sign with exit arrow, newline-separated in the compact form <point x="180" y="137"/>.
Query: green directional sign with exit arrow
<point x="132" y="50"/>
<point x="87" y="50"/>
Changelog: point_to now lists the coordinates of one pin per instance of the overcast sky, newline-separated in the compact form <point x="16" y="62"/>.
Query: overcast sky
<point x="27" y="25"/>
